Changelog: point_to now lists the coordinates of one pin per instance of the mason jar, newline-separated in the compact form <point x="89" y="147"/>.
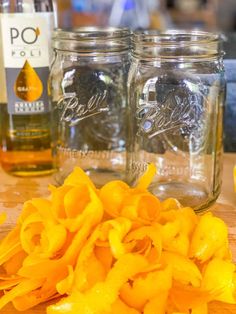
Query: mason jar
<point x="176" y="90"/>
<point x="88" y="85"/>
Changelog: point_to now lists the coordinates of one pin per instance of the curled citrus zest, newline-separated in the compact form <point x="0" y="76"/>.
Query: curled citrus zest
<point x="112" y="195"/>
<point x="170" y="204"/>
<point x="210" y="235"/>
<point x="184" y="270"/>
<point x="120" y="227"/>
<point x="221" y="286"/>
<point x="78" y="177"/>
<point x="65" y="285"/>
<point x="117" y="250"/>
<point x="146" y="241"/>
<point x="186" y="298"/>
<point x="3" y="217"/>
<point x="142" y="207"/>
<point x="147" y="286"/>
<point x="146" y="179"/>
<point x="10" y="245"/>
<point x="174" y="239"/>
<point x="22" y="288"/>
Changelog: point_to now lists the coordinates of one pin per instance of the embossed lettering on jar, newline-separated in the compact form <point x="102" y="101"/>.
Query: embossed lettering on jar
<point x="88" y="90"/>
<point x="176" y="90"/>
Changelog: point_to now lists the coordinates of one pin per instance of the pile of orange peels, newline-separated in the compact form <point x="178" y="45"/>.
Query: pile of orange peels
<point x="115" y="250"/>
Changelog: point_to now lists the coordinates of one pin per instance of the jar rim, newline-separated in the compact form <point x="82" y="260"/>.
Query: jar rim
<point x="92" y="40"/>
<point x="177" y="45"/>
<point x="175" y="37"/>
<point x="87" y="33"/>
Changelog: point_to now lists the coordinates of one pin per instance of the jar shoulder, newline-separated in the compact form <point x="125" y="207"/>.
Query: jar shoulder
<point x="210" y="72"/>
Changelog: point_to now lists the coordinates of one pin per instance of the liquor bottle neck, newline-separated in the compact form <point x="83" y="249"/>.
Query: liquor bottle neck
<point x="26" y="6"/>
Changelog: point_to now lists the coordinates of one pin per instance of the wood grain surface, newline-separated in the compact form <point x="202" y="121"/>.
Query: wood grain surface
<point x="15" y="191"/>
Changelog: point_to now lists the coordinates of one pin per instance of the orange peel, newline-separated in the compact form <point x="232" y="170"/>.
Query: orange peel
<point x="117" y="250"/>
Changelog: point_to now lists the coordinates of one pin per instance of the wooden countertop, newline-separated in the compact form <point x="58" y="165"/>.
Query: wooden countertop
<point x="14" y="191"/>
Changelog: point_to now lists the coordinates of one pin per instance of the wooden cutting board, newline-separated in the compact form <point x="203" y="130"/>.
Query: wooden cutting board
<point x="14" y="191"/>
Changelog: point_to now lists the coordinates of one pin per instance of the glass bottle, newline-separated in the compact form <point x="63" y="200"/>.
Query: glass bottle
<point x="176" y="90"/>
<point x="25" y="32"/>
<point x="88" y="83"/>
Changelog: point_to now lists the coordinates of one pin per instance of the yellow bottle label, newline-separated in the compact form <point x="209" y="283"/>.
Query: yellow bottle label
<point x="25" y="41"/>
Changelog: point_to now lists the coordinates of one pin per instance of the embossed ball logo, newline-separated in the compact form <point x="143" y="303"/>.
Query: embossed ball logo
<point x="173" y="111"/>
<point x="84" y="96"/>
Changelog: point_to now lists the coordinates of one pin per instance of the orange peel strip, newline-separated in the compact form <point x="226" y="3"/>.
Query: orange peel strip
<point x="147" y="177"/>
<point x="3" y="217"/>
<point x="22" y="288"/>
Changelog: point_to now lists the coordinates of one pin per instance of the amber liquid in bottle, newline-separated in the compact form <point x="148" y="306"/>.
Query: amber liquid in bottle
<point x="26" y="151"/>
<point x="26" y="138"/>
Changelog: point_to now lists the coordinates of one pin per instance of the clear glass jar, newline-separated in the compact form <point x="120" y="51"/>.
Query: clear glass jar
<point x="176" y="90"/>
<point x="88" y="83"/>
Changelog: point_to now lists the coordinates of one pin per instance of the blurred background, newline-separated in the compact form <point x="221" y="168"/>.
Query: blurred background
<point x="161" y="14"/>
<point x="210" y="15"/>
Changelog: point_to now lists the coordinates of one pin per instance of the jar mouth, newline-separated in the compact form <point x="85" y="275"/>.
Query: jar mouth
<point x="176" y="44"/>
<point x="92" y="39"/>
<point x="177" y="37"/>
<point x="90" y="32"/>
